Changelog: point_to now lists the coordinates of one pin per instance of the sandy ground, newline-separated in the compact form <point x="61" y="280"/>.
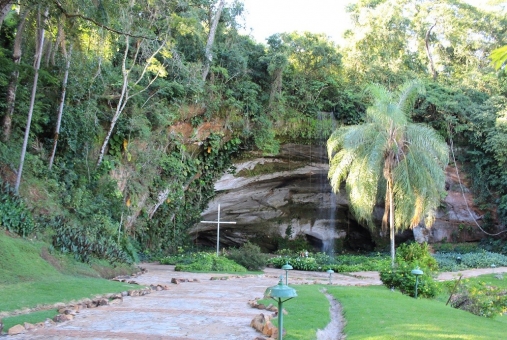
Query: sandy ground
<point x="207" y="309"/>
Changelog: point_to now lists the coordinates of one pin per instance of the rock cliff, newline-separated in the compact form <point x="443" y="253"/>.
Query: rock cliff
<point x="289" y="196"/>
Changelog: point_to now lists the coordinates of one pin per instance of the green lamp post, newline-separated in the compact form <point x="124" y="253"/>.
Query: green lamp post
<point x="417" y="272"/>
<point x="330" y="272"/>
<point x="280" y="293"/>
<point x="287" y="267"/>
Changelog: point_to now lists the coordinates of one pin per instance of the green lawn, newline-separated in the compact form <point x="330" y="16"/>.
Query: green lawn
<point x="30" y="280"/>
<point x="307" y="312"/>
<point x="62" y="289"/>
<point x="376" y="313"/>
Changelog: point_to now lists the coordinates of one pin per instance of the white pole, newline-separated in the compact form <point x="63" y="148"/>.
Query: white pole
<point x="218" y="230"/>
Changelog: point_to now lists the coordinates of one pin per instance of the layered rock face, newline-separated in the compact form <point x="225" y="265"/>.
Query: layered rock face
<point x="289" y="195"/>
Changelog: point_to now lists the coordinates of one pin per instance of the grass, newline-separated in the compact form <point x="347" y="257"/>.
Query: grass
<point x="391" y="315"/>
<point x="32" y="278"/>
<point x="62" y="289"/>
<point x="32" y="318"/>
<point x="376" y="313"/>
<point x="307" y="313"/>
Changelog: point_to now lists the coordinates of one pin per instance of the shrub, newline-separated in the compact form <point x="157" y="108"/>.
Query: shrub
<point x="14" y="216"/>
<point x="339" y="263"/>
<point x="482" y="259"/>
<point x="417" y="254"/>
<point x="408" y="257"/>
<point x="402" y="279"/>
<point x="207" y="262"/>
<point x="462" y="248"/>
<point x="480" y="299"/>
<point x="495" y="246"/>
<point x="86" y="243"/>
<point x="249" y="256"/>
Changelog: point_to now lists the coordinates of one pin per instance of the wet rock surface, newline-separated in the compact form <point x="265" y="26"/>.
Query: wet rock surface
<point x="290" y="195"/>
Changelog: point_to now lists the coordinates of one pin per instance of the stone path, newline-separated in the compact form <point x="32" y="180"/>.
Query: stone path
<point x="207" y="309"/>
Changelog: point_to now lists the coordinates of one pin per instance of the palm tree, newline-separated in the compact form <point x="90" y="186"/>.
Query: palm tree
<point x="392" y="158"/>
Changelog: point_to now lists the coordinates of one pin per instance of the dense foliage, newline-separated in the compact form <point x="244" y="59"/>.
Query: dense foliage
<point x="342" y="263"/>
<point x="408" y="258"/>
<point x="209" y="262"/>
<point x="479" y="297"/>
<point x="117" y="117"/>
<point x="249" y="256"/>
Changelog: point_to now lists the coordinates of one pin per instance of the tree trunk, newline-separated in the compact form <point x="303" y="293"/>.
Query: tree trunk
<point x="276" y="87"/>
<point x="121" y="103"/>
<point x="391" y="219"/>
<point x="13" y="82"/>
<point x="125" y="96"/>
<point x="211" y="38"/>
<point x="60" y="108"/>
<point x="5" y="7"/>
<point x="38" y="57"/>
<point x="428" y="53"/>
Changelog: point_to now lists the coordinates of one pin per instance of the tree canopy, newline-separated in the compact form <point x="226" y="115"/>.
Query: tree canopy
<point x="161" y="96"/>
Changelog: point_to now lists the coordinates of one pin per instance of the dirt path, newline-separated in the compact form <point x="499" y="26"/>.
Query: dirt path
<point x="207" y="309"/>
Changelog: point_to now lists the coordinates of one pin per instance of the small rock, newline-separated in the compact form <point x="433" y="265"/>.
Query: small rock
<point x="103" y="302"/>
<point x="63" y="317"/>
<point x="29" y="326"/>
<point x="18" y="329"/>
<point x="272" y="308"/>
<point x="115" y="302"/>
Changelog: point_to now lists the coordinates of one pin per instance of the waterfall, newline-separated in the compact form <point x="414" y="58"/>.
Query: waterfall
<point x="327" y="211"/>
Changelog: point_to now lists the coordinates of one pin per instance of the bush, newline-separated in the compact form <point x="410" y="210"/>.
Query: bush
<point x="495" y="246"/>
<point x="480" y="299"/>
<point x="408" y="257"/>
<point x="417" y="254"/>
<point x="206" y="262"/>
<point x="482" y="259"/>
<point x="249" y="256"/>
<point x="14" y="216"/>
<point x="401" y="278"/>
<point x="85" y="244"/>
<point x="338" y="263"/>
<point x="462" y="248"/>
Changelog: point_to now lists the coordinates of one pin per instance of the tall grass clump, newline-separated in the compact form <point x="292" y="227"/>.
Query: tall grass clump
<point x="249" y="255"/>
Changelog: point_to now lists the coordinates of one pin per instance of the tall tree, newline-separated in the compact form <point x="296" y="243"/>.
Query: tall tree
<point x="13" y="82"/>
<point x="208" y="55"/>
<point x="5" y="6"/>
<point x="60" y="107"/>
<point x="389" y="156"/>
<point x="139" y="65"/>
<point x="38" y="56"/>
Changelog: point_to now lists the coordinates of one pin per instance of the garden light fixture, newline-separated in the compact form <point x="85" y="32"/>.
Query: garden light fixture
<point x="287" y="267"/>
<point x="330" y="272"/>
<point x="417" y="272"/>
<point x="280" y="293"/>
